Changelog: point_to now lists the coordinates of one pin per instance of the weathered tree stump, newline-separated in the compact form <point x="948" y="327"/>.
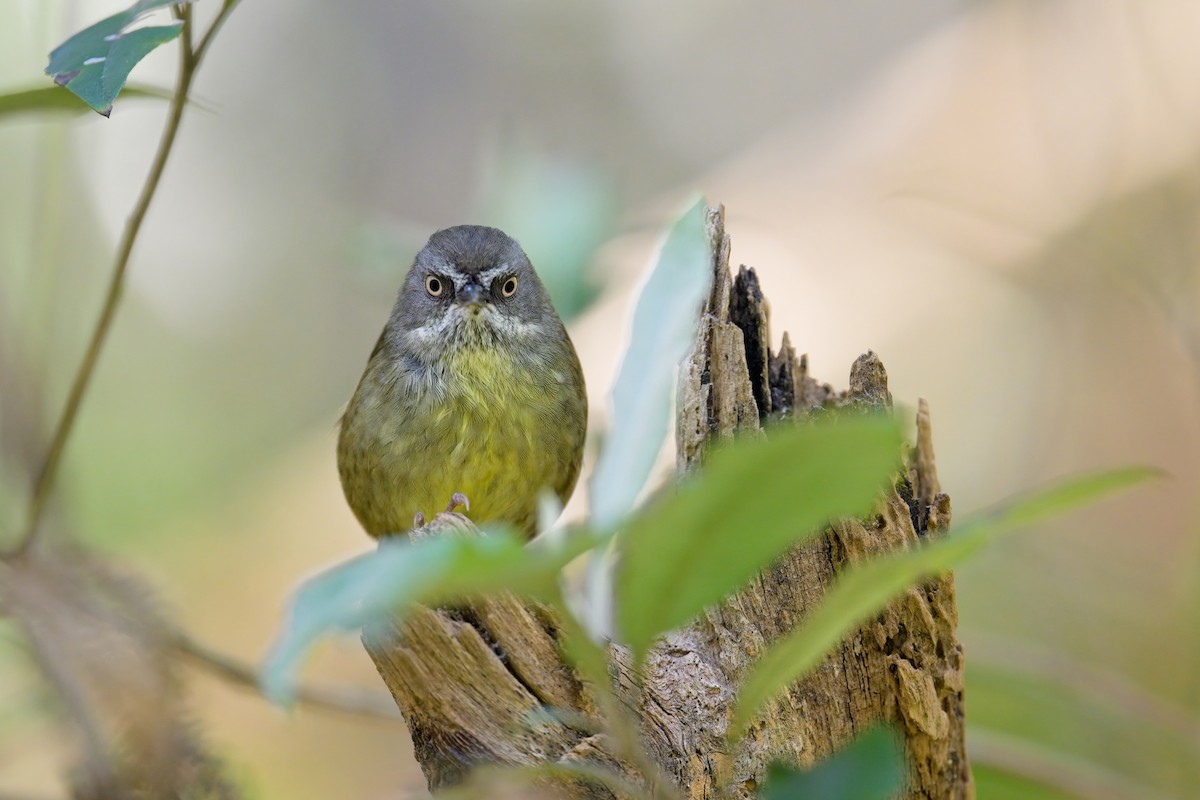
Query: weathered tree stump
<point x="469" y="681"/>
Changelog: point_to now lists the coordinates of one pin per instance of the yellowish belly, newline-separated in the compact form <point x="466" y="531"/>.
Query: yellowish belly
<point x="499" y="432"/>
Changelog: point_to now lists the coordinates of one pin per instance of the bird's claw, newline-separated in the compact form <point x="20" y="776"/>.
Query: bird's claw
<point x="458" y="499"/>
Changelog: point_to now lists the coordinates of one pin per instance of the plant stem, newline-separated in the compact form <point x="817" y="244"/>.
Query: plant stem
<point x="226" y="7"/>
<point x="189" y="61"/>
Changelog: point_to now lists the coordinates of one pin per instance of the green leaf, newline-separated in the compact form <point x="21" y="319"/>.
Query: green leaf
<point x="870" y="768"/>
<point x="401" y="572"/>
<point x="750" y="503"/>
<point x="664" y="326"/>
<point x="54" y="99"/>
<point x="95" y="63"/>
<point x="863" y="591"/>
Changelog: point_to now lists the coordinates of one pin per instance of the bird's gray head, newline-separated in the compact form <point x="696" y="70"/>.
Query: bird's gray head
<point x="472" y="285"/>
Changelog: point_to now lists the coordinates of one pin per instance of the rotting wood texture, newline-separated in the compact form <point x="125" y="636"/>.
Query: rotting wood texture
<point x="470" y="680"/>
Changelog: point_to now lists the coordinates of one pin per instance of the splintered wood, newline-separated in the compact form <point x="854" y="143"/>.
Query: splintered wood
<point x="470" y="680"/>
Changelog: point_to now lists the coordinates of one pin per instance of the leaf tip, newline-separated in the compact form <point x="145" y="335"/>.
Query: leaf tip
<point x="276" y="681"/>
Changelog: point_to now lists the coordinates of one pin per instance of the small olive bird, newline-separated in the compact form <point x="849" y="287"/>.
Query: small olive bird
<point x="472" y="395"/>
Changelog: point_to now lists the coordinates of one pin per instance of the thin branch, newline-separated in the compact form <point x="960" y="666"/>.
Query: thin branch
<point x="1094" y="685"/>
<point x="217" y="22"/>
<point x="344" y="700"/>
<point x="183" y="13"/>
<point x="189" y="62"/>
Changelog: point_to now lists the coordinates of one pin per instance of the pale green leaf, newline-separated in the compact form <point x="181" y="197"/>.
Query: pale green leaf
<point x="750" y="503"/>
<point x="402" y="572"/>
<point x="664" y="326"/>
<point x="863" y="591"/>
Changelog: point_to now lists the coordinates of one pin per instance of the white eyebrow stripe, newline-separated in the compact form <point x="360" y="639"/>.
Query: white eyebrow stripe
<point x="435" y="263"/>
<point x="488" y="275"/>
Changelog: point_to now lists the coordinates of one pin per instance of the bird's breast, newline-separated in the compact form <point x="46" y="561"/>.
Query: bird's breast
<point x="497" y="424"/>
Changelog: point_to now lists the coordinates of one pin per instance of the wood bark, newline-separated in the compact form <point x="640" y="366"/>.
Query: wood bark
<point x="470" y="681"/>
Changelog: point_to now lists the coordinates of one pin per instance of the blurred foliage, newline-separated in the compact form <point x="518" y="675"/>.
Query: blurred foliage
<point x="1085" y="730"/>
<point x="869" y="768"/>
<point x="560" y="210"/>
<point x="993" y="782"/>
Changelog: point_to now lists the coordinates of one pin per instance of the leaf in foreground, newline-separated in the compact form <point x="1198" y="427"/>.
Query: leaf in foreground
<point x="96" y="62"/>
<point x="869" y="768"/>
<point x="863" y="591"/>
<point x="399" y="573"/>
<point x="750" y="503"/>
<point x="664" y="326"/>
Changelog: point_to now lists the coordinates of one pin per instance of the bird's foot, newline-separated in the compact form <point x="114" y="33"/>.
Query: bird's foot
<point x="458" y="499"/>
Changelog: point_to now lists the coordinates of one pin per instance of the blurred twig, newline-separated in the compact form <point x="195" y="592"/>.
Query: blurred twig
<point x="345" y="700"/>
<point x="189" y="62"/>
<point x="75" y="701"/>
<point x="1066" y="774"/>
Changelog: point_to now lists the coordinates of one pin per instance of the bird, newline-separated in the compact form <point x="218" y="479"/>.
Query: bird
<point x="473" y="396"/>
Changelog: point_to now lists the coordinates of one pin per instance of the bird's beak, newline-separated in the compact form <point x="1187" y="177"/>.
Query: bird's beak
<point x="471" y="294"/>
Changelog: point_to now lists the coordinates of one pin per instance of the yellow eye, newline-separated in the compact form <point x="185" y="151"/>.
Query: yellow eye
<point x="510" y="286"/>
<point x="434" y="285"/>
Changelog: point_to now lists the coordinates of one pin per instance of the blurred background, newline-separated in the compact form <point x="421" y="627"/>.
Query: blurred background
<point x="1001" y="198"/>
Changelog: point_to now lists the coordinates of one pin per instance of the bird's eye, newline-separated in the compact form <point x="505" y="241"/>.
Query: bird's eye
<point x="510" y="286"/>
<point x="434" y="285"/>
